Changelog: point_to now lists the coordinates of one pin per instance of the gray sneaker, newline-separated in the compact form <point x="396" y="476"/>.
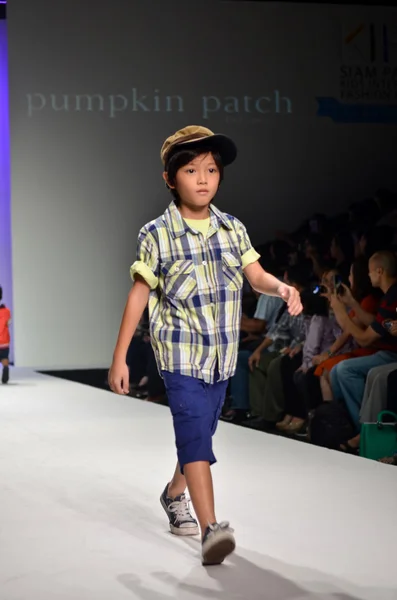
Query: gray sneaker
<point x="178" y="512"/>
<point x="218" y="543"/>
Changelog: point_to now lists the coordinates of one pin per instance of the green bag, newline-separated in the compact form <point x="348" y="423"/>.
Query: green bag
<point x="379" y="440"/>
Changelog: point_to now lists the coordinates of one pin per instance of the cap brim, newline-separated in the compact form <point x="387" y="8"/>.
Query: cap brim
<point x="218" y="142"/>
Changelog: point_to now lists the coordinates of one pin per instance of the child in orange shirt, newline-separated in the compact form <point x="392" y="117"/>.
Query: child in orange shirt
<point x="5" y="318"/>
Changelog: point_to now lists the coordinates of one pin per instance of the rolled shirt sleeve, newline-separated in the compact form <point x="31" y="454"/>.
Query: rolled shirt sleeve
<point x="250" y="257"/>
<point x="248" y="253"/>
<point x="147" y="263"/>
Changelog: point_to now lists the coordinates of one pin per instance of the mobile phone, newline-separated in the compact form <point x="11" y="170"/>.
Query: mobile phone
<point x="319" y="289"/>
<point x="338" y="285"/>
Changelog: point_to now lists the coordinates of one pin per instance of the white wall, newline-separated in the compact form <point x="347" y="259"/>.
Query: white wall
<point x="5" y="217"/>
<point x="84" y="181"/>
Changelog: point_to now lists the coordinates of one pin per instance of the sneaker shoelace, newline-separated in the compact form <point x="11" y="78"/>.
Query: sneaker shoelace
<point x="223" y="526"/>
<point x="182" y="510"/>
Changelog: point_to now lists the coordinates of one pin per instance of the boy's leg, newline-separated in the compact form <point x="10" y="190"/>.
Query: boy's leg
<point x="6" y="370"/>
<point x="198" y="479"/>
<point x="196" y="408"/>
<point x="177" y="485"/>
<point x="201" y="490"/>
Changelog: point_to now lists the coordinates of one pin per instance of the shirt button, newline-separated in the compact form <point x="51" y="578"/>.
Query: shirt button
<point x="176" y="268"/>
<point x="204" y="262"/>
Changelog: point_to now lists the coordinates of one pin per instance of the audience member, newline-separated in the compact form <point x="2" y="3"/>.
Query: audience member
<point x="263" y="320"/>
<point x="363" y="301"/>
<point x="348" y="377"/>
<point x="319" y="334"/>
<point x="286" y="333"/>
<point x="315" y="249"/>
<point x="375" y="393"/>
<point x="342" y="252"/>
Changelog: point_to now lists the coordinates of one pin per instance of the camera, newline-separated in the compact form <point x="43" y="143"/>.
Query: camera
<point x="340" y="290"/>
<point x="319" y="289"/>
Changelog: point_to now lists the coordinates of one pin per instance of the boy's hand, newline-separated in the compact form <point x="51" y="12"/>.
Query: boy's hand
<point x="119" y="378"/>
<point x="292" y="297"/>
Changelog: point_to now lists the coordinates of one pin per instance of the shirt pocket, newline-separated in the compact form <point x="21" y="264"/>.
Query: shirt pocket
<point x="180" y="280"/>
<point x="232" y="271"/>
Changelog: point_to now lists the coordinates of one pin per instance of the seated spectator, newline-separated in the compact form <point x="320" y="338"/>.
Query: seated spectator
<point x="315" y="250"/>
<point x="319" y="334"/>
<point x="342" y="252"/>
<point x="287" y="332"/>
<point x="363" y="300"/>
<point x="348" y="377"/>
<point x="375" y="393"/>
<point x="280" y="384"/>
<point x="264" y="318"/>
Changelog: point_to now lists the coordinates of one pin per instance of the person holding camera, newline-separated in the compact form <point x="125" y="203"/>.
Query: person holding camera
<point x="363" y="301"/>
<point x="348" y="378"/>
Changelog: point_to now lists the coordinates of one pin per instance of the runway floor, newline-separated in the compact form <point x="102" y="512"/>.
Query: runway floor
<point x="81" y="472"/>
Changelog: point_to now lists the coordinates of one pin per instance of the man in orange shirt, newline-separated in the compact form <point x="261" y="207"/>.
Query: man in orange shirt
<point x="5" y="318"/>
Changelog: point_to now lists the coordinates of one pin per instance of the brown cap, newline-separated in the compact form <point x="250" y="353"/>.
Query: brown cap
<point x="200" y="136"/>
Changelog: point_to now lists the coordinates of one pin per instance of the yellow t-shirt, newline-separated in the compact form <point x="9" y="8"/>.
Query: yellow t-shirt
<point x="201" y="225"/>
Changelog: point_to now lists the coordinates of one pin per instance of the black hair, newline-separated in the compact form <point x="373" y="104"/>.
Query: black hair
<point x="182" y="157"/>
<point x="319" y="242"/>
<point x="344" y="240"/>
<point x="1" y="293"/>
<point x="281" y="250"/>
<point x="298" y="274"/>
<point x="378" y="238"/>
<point x="362" y="286"/>
<point x="365" y="211"/>
<point x="314" y="304"/>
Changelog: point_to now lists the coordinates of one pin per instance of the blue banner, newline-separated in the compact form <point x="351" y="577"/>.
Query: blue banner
<point x="341" y="112"/>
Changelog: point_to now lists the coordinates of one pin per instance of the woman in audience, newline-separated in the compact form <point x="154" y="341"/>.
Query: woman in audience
<point x="363" y="300"/>
<point x="315" y="250"/>
<point x="342" y="252"/>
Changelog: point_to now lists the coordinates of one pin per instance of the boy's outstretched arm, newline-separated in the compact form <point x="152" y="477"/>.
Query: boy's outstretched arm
<point x="138" y="297"/>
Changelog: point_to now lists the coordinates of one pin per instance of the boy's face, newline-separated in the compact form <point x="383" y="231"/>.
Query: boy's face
<point x="198" y="181"/>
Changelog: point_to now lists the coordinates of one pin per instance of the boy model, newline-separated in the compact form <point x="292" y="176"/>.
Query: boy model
<point x="190" y="265"/>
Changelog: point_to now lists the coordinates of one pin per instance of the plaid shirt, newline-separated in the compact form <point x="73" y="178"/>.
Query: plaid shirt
<point x="196" y="291"/>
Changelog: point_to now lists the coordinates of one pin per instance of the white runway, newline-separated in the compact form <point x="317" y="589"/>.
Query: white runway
<point x="81" y="472"/>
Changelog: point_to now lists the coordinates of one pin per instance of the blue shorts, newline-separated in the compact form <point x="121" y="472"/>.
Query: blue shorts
<point x="196" y="407"/>
<point x="4" y="353"/>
